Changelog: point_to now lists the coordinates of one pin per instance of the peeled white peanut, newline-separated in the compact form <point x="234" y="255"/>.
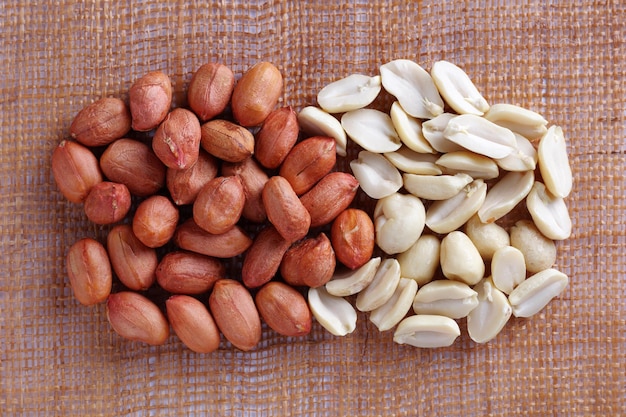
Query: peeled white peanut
<point x="554" y="163"/>
<point x="316" y="121"/>
<point x="421" y="260"/>
<point x="334" y="313"/>
<point x="524" y="158"/>
<point x="371" y="129"/>
<point x="460" y="259"/>
<point x="409" y="129"/>
<point x="445" y="216"/>
<point x="508" y="268"/>
<point x="505" y="195"/>
<point x="457" y="89"/>
<point x="435" y="187"/>
<point x="532" y="295"/>
<point x="433" y="129"/>
<point x="539" y="251"/>
<point x="413" y="87"/>
<point x="351" y="282"/>
<point x="445" y="298"/>
<point x="520" y="120"/>
<point x="382" y="286"/>
<point x="398" y="222"/>
<point x="394" y="309"/>
<point x="474" y="165"/>
<point x="487" y="237"/>
<point x="377" y="177"/>
<point x="490" y="315"/>
<point x="549" y="213"/>
<point x="350" y="93"/>
<point x="427" y="331"/>
<point x="480" y="136"/>
<point x="409" y="161"/>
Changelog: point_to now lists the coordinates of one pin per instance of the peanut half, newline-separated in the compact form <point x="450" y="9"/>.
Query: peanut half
<point x="334" y="313"/>
<point x="427" y="331"/>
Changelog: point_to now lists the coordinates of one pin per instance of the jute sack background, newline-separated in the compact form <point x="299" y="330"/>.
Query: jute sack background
<point x="563" y="59"/>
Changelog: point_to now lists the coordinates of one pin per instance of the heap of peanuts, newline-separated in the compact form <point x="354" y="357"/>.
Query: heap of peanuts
<point x="182" y="192"/>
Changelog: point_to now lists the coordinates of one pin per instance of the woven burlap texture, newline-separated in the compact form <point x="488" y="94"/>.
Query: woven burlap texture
<point x="564" y="59"/>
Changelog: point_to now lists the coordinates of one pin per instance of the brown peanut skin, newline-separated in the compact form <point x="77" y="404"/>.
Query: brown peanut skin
<point x="284" y="309"/>
<point x="150" y="99"/>
<point x="352" y="237"/>
<point x="133" y="262"/>
<point x="253" y="179"/>
<point x="75" y="169"/>
<point x="191" y="237"/>
<point x="235" y="313"/>
<point x="107" y="203"/>
<point x="89" y="271"/>
<point x="329" y="197"/>
<point x="219" y="204"/>
<point x="256" y="94"/>
<point x="308" y="162"/>
<point x="101" y="122"/>
<point x="134" y="164"/>
<point x="263" y="258"/>
<point x="188" y="273"/>
<point x="185" y="184"/>
<point x="226" y="140"/>
<point x="276" y="137"/>
<point x="155" y="220"/>
<point x="176" y="142"/>
<point x="310" y="262"/>
<point x="210" y="89"/>
<point x="135" y="317"/>
<point x="193" y="323"/>
<point x="285" y="210"/>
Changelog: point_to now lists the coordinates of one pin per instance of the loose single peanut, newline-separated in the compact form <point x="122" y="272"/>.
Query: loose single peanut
<point x="457" y="89"/>
<point x="263" y="258"/>
<point x="226" y="140"/>
<point x="150" y="98"/>
<point x="427" y="331"/>
<point x="193" y="324"/>
<point x="308" y="162"/>
<point x="75" y="170"/>
<point x="395" y="309"/>
<point x="460" y="259"/>
<point x="487" y="237"/>
<point x="177" y="139"/>
<point x="101" y="122"/>
<point x="185" y="184"/>
<point x="284" y="309"/>
<point x="399" y="222"/>
<point x="107" y="203"/>
<point x="276" y="137"/>
<point x="191" y="237"/>
<point x="155" y="221"/>
<point x="134" y="164"/>
<point x="532" y="295"/>
<point x="491" y="314"/>
<point x="135" y="317"/>
<point x="285" y="210"/>
<point x="446" y="298"/>
<point x="236" y="315"/>
<point x="539" y="251"/>
<point x="329" y="197"/>
<point x="253" y="179"/>
<point x="189" y="273"/>
<point x="210" y="89"/>
<point x="372" y="129"/>
<point x="382" y="287"/>
<point x="309" y="262"/>
<point x="350" y="282"/>
<point x="256" y="94"/>
<point x="335" y="314"/>
<point x="219" y="204"/>
<point x="421" y="260"/>
<point x="352" y="237"/>
<point x="133" y="262"/>
<point x="89" y="271"/>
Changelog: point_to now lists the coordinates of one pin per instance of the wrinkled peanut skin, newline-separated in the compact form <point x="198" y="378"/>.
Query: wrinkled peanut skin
<point x="352" y="237"/>
<point x="256" y="94"/>
<point x="75" y="170"/>
<point x="89" y="271"/>
<point x="284" y="309"/>
<point x="253" y="179"/>
<point x="133" y="262"/>
<point x="188" y="273"/>
<point x="329" y="197"/>
<point x="155" y="221"/>
<point x="227" y="140"/>
<point x="101" y="122"/>
<point x="308" y="162"/>
<point x="150" y="99"/>
<point x="134" y="164"/>
<point x="210" y="89"/>
<point x="235" y="313"/>
<point x="135" y="317"/>
<point x="190" y="236"/>
<point x="263" y="258"/>
<point x="185" y="184"/>
<point x="219" y="204"/>
<point x="276" y="137"/>
<point x="310" y="262"/>
<point x="177" y="140"/>
<point x="285" y="210"/>
<point x="107" y="203"/>
<point x="193" y="323"/>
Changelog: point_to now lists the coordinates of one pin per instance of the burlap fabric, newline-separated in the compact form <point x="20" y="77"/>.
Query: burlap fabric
<point x="564" y="59"/>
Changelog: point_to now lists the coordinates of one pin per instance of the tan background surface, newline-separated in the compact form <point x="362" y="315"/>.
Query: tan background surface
<point x="565" y="59"/>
